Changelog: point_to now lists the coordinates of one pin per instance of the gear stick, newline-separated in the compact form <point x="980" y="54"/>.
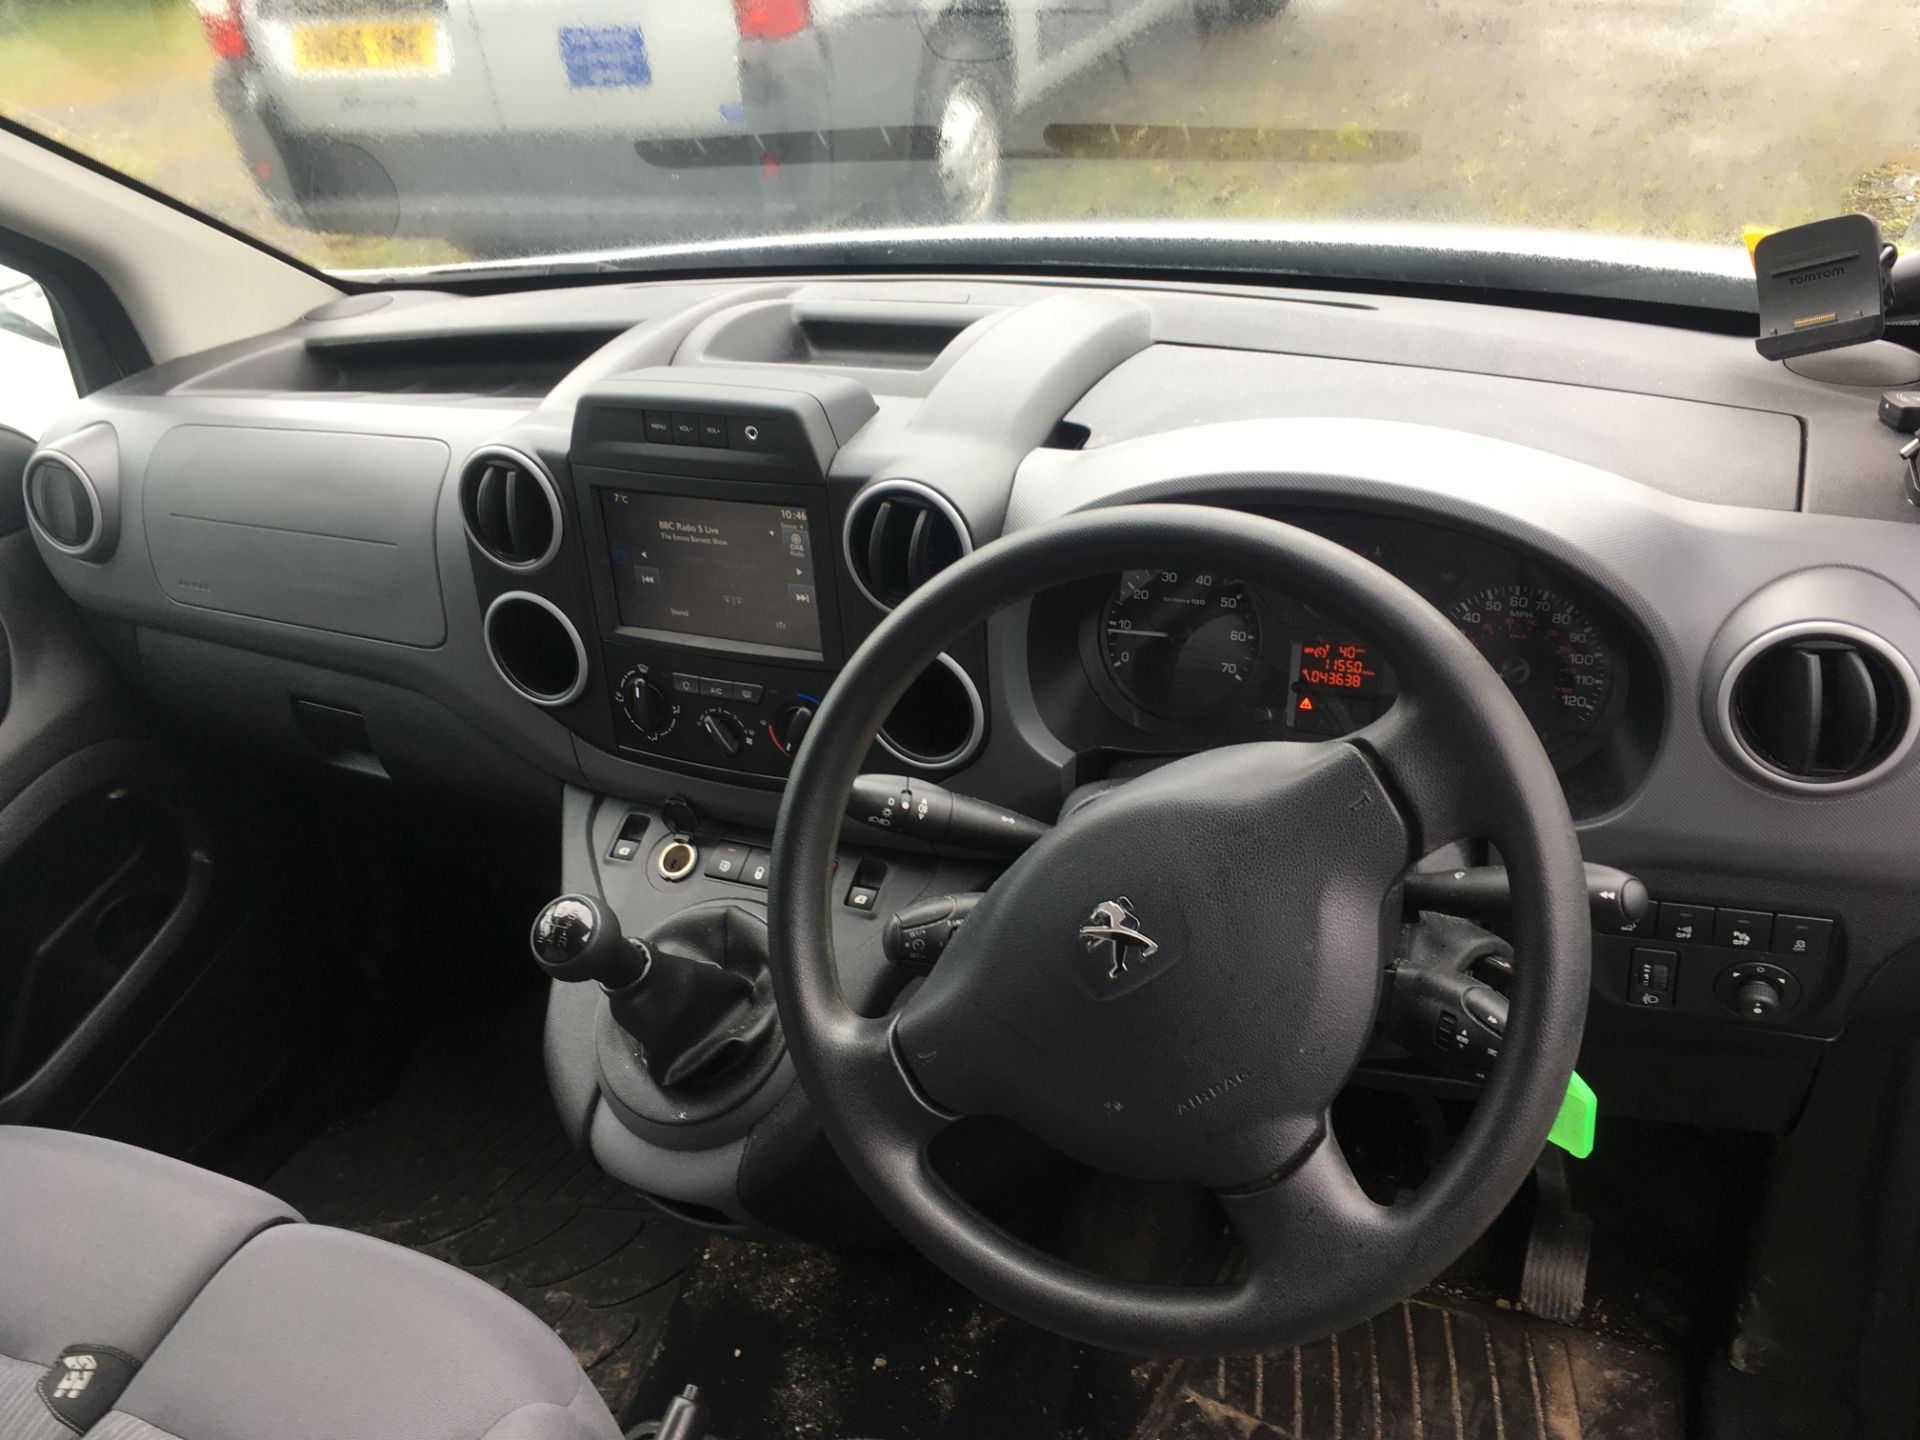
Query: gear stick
<point x="574" y="938"/>
<point x="696" y="998"/>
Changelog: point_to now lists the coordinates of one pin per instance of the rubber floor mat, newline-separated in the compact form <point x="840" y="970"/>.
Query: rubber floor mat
<point x="467" y="1162"/>
<point x="799" y="1340"/>
<point x="1435" y="1371"/>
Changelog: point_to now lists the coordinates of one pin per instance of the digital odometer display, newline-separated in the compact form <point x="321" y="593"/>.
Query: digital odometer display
<point x="1337" y="685"/>
<point x="1180" y="645"/>
<point x="714" y="569"/>
<point x="1550" y="653"/>
<point x="1337" y="664"/>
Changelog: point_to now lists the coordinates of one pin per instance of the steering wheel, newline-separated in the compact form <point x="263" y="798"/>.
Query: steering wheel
<point x="1176" y="982"/>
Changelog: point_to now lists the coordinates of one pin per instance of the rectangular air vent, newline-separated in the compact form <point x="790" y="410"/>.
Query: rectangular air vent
<point x="504" y="364"/>
<point x="894" y="335"/>
<point x="907" y="343"/>
<point x="498" y="364"/>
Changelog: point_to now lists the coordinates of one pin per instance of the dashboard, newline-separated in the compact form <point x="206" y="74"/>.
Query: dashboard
<point x="607" y="549"/>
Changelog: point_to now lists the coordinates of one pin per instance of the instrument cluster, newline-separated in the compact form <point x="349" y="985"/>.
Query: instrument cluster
<point x="1186" y="659"/>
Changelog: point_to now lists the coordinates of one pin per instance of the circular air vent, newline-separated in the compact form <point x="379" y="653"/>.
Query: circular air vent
<point x="63" y="504"/>
<point x="511" y="508"/>
<point x="939" y="722"/>
<point x="900" y="534"/>
<point x="535" y="648"/>
<point x="1820" y="705"/>
<point x="73" y="492"/>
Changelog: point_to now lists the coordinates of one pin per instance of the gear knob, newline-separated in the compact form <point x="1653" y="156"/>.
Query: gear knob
<point x="578" y="938"/>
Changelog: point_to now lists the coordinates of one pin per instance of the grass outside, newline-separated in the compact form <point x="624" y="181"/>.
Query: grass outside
<point x="56" y="55"/>
<point x="1672" y="119"/>
<point x="130" y="83"/>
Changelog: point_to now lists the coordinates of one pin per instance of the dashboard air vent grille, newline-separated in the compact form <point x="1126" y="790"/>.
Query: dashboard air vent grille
<point x="61" y="504"/>
<point x="900" y="534"/>
<point x="511" y="508"/>
<point x="1822" y="708"/>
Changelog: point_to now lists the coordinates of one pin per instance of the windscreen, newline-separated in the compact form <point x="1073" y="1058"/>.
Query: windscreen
<point x="399" y="136"/>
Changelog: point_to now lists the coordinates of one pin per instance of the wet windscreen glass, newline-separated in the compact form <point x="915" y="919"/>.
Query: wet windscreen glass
<point x="391" y="135"/>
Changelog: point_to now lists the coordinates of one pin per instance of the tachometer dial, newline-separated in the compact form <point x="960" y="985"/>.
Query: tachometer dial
<point x="1180" y="645"/>
<point x="1550" y="653"/>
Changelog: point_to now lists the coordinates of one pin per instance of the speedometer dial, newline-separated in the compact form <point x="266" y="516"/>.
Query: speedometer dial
<point x="1550" y="653"/>
<point x="1180" y="645"/>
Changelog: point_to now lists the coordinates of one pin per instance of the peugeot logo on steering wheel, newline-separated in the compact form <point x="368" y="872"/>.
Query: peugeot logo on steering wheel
<point x="1114" y="939"/>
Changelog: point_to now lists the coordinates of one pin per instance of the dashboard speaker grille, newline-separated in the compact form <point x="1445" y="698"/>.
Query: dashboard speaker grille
<point x="511" y="508"/>
<point x="1822" y="708"/>
<point x="900" y="534"/>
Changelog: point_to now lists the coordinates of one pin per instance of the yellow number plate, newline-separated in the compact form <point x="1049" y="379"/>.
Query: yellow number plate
<point x="369" y="45"/>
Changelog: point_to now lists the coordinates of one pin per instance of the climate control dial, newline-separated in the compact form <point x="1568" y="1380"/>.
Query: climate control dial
<point x="788" y="728"/>
<point x="723" y="731"/>
<point x="645" y="705"/>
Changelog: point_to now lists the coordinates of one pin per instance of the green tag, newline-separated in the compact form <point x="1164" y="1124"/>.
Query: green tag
<point x="1573" y="1126"/>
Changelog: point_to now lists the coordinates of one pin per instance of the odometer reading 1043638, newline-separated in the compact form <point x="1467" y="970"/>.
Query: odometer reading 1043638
<point x="1548" y="650"/>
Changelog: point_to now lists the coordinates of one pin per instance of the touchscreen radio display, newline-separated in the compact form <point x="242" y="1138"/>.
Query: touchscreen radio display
<point x="714" y="569"/>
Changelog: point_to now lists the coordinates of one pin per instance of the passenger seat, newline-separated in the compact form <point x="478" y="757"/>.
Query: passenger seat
<point x="144" y="1299"/>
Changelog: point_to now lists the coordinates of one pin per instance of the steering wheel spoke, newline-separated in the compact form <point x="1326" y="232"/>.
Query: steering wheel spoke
<point x="1426" y="760"/>
<point x="1312" y="1219"/>
<point x="882" y="1087"/>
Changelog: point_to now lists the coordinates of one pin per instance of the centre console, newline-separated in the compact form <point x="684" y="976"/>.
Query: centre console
<point x="710" y="549"/>
<point x="693" y="621"/>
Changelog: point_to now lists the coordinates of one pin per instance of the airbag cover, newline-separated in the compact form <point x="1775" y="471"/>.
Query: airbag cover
<point x="1209" y="1047"/>
<point x="329" y="531"/>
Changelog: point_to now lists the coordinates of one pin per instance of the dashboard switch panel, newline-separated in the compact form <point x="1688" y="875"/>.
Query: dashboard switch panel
<point x="1714" y="961"/>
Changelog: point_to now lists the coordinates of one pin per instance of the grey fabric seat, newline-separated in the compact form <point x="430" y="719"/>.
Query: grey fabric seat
<point x="235" y="1320"/>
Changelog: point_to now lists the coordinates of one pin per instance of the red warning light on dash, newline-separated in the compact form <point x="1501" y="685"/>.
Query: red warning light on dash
<point x="1335" y="665"/>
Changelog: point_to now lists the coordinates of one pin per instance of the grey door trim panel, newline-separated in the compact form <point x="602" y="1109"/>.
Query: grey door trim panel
<point x="108" y="763"/>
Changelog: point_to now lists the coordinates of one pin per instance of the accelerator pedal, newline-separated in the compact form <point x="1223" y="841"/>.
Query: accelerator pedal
<point x="1553" y="1283"/>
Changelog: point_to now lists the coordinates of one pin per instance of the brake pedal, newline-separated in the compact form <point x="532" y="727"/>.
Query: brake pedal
<point x="1553" y="1283"/>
